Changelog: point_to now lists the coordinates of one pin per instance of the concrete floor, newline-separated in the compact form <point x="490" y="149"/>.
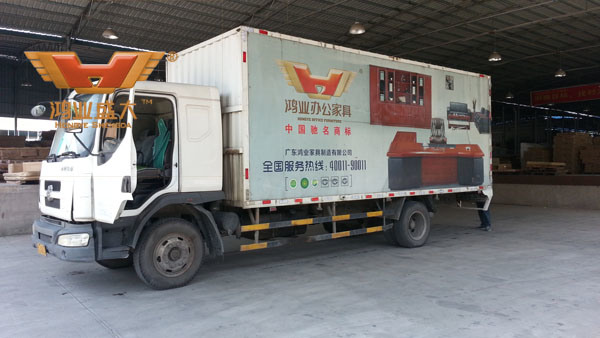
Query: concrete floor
<point x="535" y="275"/>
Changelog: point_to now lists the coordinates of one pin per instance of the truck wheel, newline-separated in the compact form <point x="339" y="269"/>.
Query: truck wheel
<point x="169" y="254"/>
<point x="412" y="229"/>
<point x="390" y="237"/>
<point x="117" y="263"/>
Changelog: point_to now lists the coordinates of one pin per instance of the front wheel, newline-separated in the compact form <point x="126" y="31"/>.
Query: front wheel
<point x="169" y="254"/>
<point x="412" y="229"/>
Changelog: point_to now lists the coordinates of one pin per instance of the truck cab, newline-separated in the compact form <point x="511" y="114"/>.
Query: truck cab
<point x="107" y="177"/>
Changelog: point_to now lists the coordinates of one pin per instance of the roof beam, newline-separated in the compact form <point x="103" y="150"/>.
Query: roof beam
<point x="524" y="24"/>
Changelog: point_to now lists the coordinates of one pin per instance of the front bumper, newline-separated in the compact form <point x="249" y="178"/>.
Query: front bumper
<point x="46" y="232"/>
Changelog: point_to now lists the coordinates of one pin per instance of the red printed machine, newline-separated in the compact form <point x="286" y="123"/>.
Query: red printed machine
<point x="412" y="165"/>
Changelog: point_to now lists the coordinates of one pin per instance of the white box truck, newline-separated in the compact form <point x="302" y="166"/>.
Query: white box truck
<point x="258" y="135"/>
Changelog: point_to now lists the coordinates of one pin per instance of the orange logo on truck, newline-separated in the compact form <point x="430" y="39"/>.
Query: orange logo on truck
<point x="299" y="76"/>
<point x="122" y="71"/>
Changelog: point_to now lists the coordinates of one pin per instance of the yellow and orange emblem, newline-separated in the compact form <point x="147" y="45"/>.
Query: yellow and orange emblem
<point x="122" y="71"/>
<point x="299" y="76"/>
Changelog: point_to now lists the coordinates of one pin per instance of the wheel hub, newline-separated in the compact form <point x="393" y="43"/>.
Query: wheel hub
<point x="173" y="255"/>
<point x="416" y="226"/>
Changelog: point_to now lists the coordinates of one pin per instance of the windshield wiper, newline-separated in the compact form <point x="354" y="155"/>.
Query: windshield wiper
<point x="69" y="153"/>
<point x="54" y="157"/>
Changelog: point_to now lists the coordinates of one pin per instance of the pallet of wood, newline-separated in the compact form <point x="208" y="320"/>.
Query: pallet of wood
<point x="12" y="141"/>
<point x="545" y="168"/>
<point x="506" y="172"/>
<point x="590" y="156"/>
<point x="24" y="154"/>
<point x="537" y="154"/>
<point x="22" y="177"/>
<point x="23" y="172"/>
<point x="567" y="147"/>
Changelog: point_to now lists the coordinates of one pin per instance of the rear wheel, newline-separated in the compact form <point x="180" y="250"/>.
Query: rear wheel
<point x="169" y="254"/>
<point x="412" y="229"/>
<point x="117" y="263"/>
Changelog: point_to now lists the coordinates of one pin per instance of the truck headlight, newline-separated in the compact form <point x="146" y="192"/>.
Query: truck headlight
<point x="73" y="240"/>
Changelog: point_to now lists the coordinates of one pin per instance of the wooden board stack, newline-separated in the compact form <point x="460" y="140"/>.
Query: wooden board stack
<point x="537" y="154"/>
<point x="15" y="158"/>
<point x="24" y="172"/>
<point x="590" y="156"/>
<point x="567" y="147"/>
<point x="545" y="168"/>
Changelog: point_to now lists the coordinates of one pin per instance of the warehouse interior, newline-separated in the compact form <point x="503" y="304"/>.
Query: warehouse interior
<point x="537" y="42"/>
<point x="543" y="57"/>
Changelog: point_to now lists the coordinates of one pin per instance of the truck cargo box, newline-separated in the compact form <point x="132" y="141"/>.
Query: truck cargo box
<point x="309" y="122"/>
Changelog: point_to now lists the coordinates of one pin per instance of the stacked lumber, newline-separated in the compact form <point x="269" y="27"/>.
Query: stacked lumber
<point x="545" y="168"/>
<point x="13" y="157"/>
<point x="502" y="167"/>
<point x="537" y="154"/>
<point x="567" y="147"/>
<point x="24" y="154"/>
<point x="12" y="141"/>
<point x="590" y="156"/>
<point x="23" y="172"/>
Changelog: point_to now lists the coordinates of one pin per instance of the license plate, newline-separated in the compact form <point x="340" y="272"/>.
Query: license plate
<point x="42" y="249"/>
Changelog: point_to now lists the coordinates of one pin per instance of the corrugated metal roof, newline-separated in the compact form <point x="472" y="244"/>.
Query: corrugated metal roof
<point x="455" y="33"/>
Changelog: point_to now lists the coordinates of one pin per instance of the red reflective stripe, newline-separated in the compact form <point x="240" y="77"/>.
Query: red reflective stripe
<point x="449" y="190"/>
<point x="481" y="75"/>
<point x="244" y="57"/>
<point x="298" y="200"/>
<point x="391" y="194"/>
<point x="246" y="173"/>
<point x="431" y="191"/>
<point x="369" y="196"/>
<point x="262" y="31"/>
<point x="314" y="199"/>
<point x="481" y="187"/>
<point x="412" y="192"/>
<point x="266" y="202"/>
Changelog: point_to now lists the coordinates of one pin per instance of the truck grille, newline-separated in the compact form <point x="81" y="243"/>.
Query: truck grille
<point x="45" y="238"/>
<point x="55" y="185"/>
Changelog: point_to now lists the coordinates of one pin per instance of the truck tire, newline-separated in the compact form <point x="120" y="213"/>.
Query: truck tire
<point x="117" y="263"/>
<point x="412" y="229"/>
<point x="169" y="254"/>
<point x="390" y="237"/>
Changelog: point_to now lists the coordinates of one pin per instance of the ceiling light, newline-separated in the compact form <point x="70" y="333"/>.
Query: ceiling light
<point x="26" y="84"/>
<point x="109" y="34"/>
<point x="357" y="28"/>
<point x="510" y="95"/>
<point x="560" y="73"/>
<point x="494" y="57"/>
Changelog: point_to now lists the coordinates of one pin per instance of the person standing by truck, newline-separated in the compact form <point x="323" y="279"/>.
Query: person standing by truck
<point x="484" y="215"/>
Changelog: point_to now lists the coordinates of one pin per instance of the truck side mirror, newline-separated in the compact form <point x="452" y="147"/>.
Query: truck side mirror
<point x="38" y="110"/>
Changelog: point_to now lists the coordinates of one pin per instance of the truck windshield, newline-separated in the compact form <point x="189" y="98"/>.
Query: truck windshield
<point x="65" y="144"/>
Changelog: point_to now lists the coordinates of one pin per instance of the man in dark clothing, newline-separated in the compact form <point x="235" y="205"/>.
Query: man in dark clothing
<point x="484" y="217"/>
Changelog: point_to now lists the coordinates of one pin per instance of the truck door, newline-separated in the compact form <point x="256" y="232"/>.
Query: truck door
<point x="114" y="173"/>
